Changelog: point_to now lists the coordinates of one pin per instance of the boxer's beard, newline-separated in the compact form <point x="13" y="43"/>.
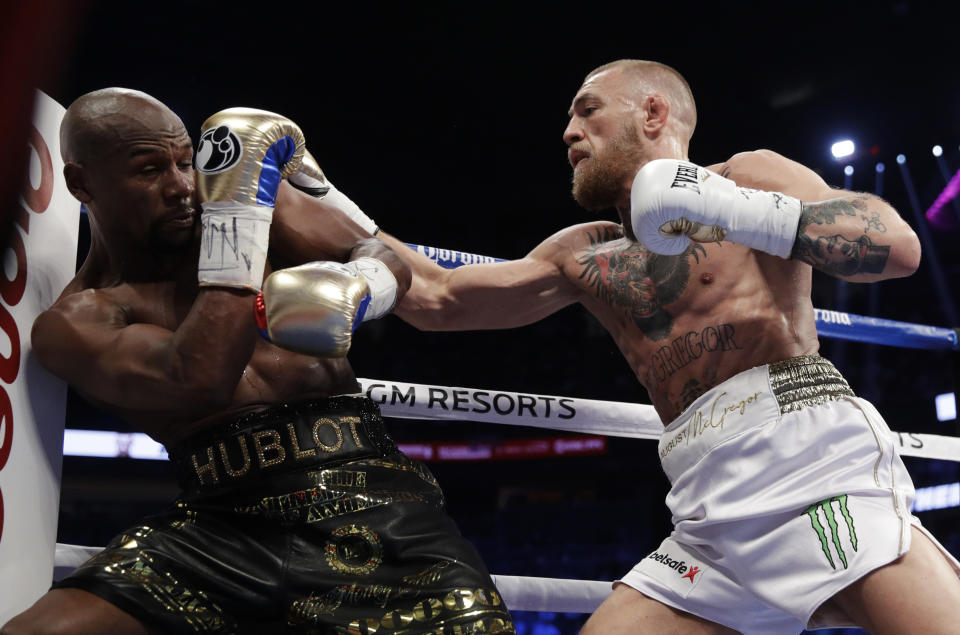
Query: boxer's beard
<point x="599" y="183"/>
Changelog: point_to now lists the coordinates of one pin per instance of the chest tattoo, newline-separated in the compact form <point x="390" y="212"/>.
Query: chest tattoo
<point x="625" y="275"/>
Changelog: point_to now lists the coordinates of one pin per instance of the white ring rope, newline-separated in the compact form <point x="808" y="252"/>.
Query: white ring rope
<point x="610" y="418"/>
<point x="838" y="324"/>
<point x="590" y="416"/>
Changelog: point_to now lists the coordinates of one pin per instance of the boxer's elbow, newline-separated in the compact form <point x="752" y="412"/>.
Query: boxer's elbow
<point x="908" y="252"/>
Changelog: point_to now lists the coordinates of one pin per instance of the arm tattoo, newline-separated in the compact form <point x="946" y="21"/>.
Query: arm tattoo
<point x="838" y="255"/>
<point x="873" y="222"/>
<point x="625" y="275"/>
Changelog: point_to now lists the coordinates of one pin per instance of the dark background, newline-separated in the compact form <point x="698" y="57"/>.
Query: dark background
<point x="444" y="122"/>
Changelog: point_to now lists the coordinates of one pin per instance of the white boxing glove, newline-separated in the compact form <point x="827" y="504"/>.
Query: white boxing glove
<point x="673" y="202"/>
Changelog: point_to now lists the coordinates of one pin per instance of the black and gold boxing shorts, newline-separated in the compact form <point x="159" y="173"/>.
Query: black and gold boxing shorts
<point x="302" y="518"/>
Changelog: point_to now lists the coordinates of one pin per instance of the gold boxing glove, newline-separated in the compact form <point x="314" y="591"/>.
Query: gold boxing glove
<point x="242" y="157"/>
<point x="310" y="179"/>
<point x="315" y="308"/>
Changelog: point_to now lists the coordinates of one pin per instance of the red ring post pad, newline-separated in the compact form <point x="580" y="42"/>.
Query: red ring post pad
<point x="845" y="326"/>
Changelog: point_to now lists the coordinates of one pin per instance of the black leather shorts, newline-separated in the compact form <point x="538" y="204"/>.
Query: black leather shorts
<point x="303" y="518"/>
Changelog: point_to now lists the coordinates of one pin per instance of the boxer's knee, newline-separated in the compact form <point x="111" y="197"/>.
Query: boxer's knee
<point x="20" y="625"/>
<point x="72" y="612"/>
<point x="38" y="623"/>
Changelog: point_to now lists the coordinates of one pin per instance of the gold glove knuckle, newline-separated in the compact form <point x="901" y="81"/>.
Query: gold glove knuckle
<point x="233" y="144"/>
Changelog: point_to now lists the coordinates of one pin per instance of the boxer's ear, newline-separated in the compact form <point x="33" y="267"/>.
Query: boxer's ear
<point x="76" y="179"/>
<point x="654" y="113"/>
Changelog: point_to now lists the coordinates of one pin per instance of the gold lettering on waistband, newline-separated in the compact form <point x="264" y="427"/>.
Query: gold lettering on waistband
<point x="324" y="421"/>
<point x="353" y="421"/>
<point x="273" y="445"/>
<point x="343" y="478"/>
<point x="210" y="467"/>
<point x="243" y="451"/>
<point x="299" y="454"/>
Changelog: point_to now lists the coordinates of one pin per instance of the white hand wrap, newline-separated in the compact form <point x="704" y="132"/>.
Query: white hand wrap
<point x="233" y="244"/>
<point x="382" y="283"/>
<point x="242" y="156"/>
<point x="351" y="209"/>
<point x="672" y="202"/>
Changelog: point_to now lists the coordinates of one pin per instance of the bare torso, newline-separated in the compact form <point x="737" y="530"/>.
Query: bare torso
<point x="686" y="323"/>
<point x="121" y="339"/>
<point x="272" y="375"/>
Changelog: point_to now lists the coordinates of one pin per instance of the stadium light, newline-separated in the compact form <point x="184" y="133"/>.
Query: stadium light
<point x="937" y="151"/>
<point x="946" y="405"/>
<point x="842" y="149"/>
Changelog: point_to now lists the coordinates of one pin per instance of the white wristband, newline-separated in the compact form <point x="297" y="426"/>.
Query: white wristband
<point x="382" y="283"/>
<point x="766" y="221"/>
<point x="233" y="244"/>
<point x="342" y="202"/>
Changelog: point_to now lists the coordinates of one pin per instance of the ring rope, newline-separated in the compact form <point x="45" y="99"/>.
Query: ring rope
<point x="418" y="401"/>
<point x="836" y="324"/>
<point x="589" y="416"/>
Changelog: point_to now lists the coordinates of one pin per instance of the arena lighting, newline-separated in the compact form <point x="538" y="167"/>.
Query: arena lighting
<point x="901" y="159"/>
<point x="937" y="151"/>
<point x="939" y="215"/>
<point x="842" y="149"/>
<point x="848" y="170"/>
<point x="946" y="406"/>
<point x="937" y="497"/>
<point x="881" y="167"/>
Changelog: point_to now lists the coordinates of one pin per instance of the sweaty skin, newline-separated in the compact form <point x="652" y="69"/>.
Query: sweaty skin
<point x="133" y="331"/>
<point x="684" y="323"/>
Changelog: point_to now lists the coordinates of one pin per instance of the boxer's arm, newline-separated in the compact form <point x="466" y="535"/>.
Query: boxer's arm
<point x="87" y="340"/>
<point x="486" y="296"/>
<point x="307" y="229"/>
<point x="851" y="235"/>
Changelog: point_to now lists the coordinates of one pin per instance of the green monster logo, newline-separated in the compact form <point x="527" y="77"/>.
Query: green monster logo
<point x="827" y="506"/>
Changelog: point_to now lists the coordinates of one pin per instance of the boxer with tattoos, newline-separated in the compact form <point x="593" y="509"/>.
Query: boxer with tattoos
<point x="791" y="506"/>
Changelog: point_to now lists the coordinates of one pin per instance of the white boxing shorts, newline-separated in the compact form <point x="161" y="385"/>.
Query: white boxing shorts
<point x="786" y="488"/>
